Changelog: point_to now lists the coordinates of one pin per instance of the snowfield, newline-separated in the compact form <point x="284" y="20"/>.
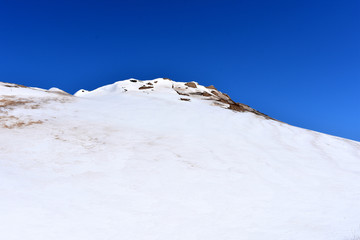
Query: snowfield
<point x="168" y="161"/>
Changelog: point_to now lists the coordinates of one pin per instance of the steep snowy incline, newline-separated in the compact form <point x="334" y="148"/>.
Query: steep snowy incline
<point x="126" y="163"/>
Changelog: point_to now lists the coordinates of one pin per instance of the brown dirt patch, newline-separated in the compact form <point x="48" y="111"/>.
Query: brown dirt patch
<point x="17" y="123"/>
<point x="12" y="102"/>
<point x="8" y="103"/>
<point x="14" y="85"/>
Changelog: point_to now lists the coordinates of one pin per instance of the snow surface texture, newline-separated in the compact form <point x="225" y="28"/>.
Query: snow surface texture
<point x="126" y="163"/>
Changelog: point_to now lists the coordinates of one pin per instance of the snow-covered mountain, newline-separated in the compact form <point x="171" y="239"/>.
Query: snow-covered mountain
<point x="163" y="160"/>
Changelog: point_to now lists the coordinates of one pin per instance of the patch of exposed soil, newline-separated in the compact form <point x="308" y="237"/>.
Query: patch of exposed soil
<point x="8" y="103"/>
<point x="11" y="122"/>
<point x="13" y="85"/>
<point x="11" y="101"/>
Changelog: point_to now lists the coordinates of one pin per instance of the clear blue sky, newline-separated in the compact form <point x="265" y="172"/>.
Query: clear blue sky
<point x="297" y="61"/>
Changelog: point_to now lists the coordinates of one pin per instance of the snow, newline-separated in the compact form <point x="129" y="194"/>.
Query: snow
<point x="123" y="163"/>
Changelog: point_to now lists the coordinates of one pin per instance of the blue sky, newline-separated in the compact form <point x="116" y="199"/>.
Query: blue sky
<point x="297" y="61"/>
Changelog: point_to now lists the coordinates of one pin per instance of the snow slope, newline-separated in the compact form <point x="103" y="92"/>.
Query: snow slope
<point x="126" y="163"/>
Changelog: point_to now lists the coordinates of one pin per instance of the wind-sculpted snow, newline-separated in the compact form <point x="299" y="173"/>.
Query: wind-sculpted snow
<point x="121" y="162"/>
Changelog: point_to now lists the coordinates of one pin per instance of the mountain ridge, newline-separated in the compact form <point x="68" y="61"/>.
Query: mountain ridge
<point x="186" y="89"/>
<point x="143" y="164"/>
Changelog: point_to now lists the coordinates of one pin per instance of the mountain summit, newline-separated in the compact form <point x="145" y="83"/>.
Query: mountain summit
<point x="164" y="160"/>
<point x="188" y="91"/>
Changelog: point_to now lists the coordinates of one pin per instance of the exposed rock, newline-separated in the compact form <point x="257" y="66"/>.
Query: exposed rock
<point x="133" y="80"/>
<point x="191" y="84"/>
<point x="237" y="107"/>
<point x="185" y="99"/>
<point x="216" y="93"/>
<point x="223" y="101"/>
<point x="145" y="87"/>
<point x="149" y="83"/>
<point x="183" y="94"/>
<point x="197" y="93"/>
<point x="240" y="107"/>
<point x="211" y="87"/>
<point x="206" y="94"/>
<point x="226" y="95"/>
